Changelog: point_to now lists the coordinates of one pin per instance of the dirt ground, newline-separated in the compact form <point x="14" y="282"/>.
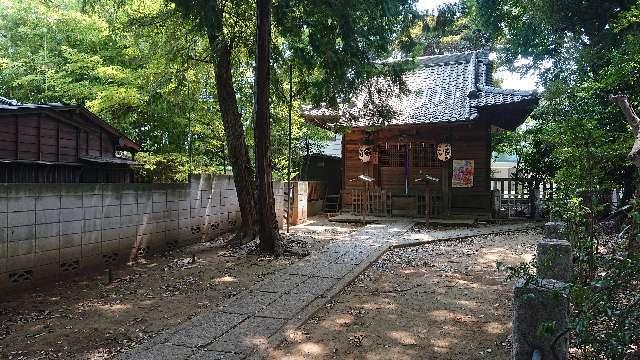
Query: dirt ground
<point x="444" y="300"/>
<point x="85" y="318"/>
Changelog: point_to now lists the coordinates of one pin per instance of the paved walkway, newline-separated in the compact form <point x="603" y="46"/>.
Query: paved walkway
<point x="248" y="324"/>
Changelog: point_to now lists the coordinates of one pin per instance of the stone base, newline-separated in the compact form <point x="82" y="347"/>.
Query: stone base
<point x="554" y="259"/>
<point x="540" y="314"/>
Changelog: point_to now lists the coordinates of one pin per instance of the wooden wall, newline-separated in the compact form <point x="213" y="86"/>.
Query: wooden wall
<point x="469" y="141"/>
<point x="42" y="137"/>
<point x="46" y="147"/>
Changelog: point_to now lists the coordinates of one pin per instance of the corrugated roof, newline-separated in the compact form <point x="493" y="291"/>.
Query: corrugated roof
<point x="442" y="88"/>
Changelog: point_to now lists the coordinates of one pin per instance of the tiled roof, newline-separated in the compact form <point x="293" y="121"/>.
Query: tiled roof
<point x="442" y="88"/>
<point x="14" y="105"/>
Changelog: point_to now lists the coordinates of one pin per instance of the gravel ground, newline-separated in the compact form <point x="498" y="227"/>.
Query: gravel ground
<point x="86" y="318"/>
<point x="444" y="300"/>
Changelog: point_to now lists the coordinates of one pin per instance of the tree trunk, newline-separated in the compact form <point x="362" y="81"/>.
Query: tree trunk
<point x="236" y="145"/>
<point x="634" y="155"/>
<point x="634" y="122"/>
<point x="270" y="239"/>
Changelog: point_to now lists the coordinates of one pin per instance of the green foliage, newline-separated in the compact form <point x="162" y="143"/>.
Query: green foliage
<point x="586" y="51"/>
<point x="454" y="28"/>
<point x="145" y="70"/>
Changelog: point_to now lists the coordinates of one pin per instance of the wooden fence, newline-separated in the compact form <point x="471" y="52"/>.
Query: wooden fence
<point x="513" y="198"/>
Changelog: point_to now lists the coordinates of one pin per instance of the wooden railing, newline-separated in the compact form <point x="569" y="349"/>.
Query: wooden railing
<point x="513" y="197"/>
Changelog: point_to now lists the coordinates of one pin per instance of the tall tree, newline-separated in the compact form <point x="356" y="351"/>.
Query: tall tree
<point x="270" y="239"/>
<point x="222" y="23"/>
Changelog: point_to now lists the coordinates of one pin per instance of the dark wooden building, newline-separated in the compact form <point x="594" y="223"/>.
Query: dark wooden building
<point x="439" y="138"/>
<point x="55" y="143"/>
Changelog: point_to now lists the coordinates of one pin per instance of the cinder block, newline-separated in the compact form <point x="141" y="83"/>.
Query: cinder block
<point x="71" y="201"/>
<point x="128" y="198"/>
<point x="91" y="237"/>
<point x="47" y="230"/>
<point x="71" y="214"/>
<point x="46" y="244"/>
<point x="23" y="203"/>
<point x="3" y="220"/>
<point x="159" y="207"/>
<point x="111" y="211"/>
<point x="173" y="224"/>
<point x="47" y="257"/>
<point x="109" y="247"/>
<point x="172" y="196"/>
<point x="130" y="220"/>
<point x="184" y="214"/>
<point x="3" y="249"/>
<point x="89" y="250"/>
<point x="129" y="209"/>
<point x="70" y="253"/>
<point x="110" y="234"/>
<point x="145" y="197"/>
<point x="71" y="227"/>
<point x="127" y="243"/>
<point x="91" y="200"/>
<point x="3" y="204"/>
<point x="20" y="233"/>
<point x="20" y="262"/>
<point x="172" y="205"/>
<point x="93" y="212"/>
<point x="92" y="225"/>
<point x="70" y="240"/>
<point x="21" y="218"/>
<point x="17" y="248"/>
<point x="109" y="199"/>
<point x="145" y="208"/>
<point x="159" y="196"/>
<point x="47" y="216"/>
<point x="111" y="223"/>
<point x="48" y="202"/>
<point x="171" y="215"/>
<point x="183" y="205"/>
<point x="46" y="271"/>
<point x="128" y="231"/>
<point x="3" y="235"/>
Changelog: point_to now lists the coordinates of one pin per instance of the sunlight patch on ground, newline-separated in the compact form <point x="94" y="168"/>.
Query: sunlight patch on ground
<point x="441" y="345"/>
<point x="338" y="322"/>
<point x="114" y="307"/>
<point x="468" y="304"/>
<point x="296" y="336"/>
<point x="312" y="348"/>
<point x="496" y="327"/>
<point x="225" y="279"/>
<point x="446" y="315"/>
<point x="321" y="228"/>
<point x="403" y="337"/>
<point x="378" y="306"/>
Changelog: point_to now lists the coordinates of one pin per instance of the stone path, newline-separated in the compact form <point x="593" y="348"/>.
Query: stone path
<point x="248" y="324"/>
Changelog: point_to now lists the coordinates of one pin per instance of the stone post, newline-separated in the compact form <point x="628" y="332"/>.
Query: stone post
<point x="555" y="230"/>
<point x="540" y="317"/>
<point x="554" y="259"/>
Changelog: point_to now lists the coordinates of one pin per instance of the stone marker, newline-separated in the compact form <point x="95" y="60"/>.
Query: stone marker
<point x="554" y="259"/>
<point x="555" y="230"/>
<point x="540" y="314"/>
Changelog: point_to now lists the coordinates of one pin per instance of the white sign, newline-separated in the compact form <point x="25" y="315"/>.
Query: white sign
<point x="364" y="153"/>
<point x="444" y="152"/>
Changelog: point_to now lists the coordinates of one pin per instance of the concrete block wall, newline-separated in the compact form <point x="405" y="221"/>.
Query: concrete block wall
<point x="49" y="231"/>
